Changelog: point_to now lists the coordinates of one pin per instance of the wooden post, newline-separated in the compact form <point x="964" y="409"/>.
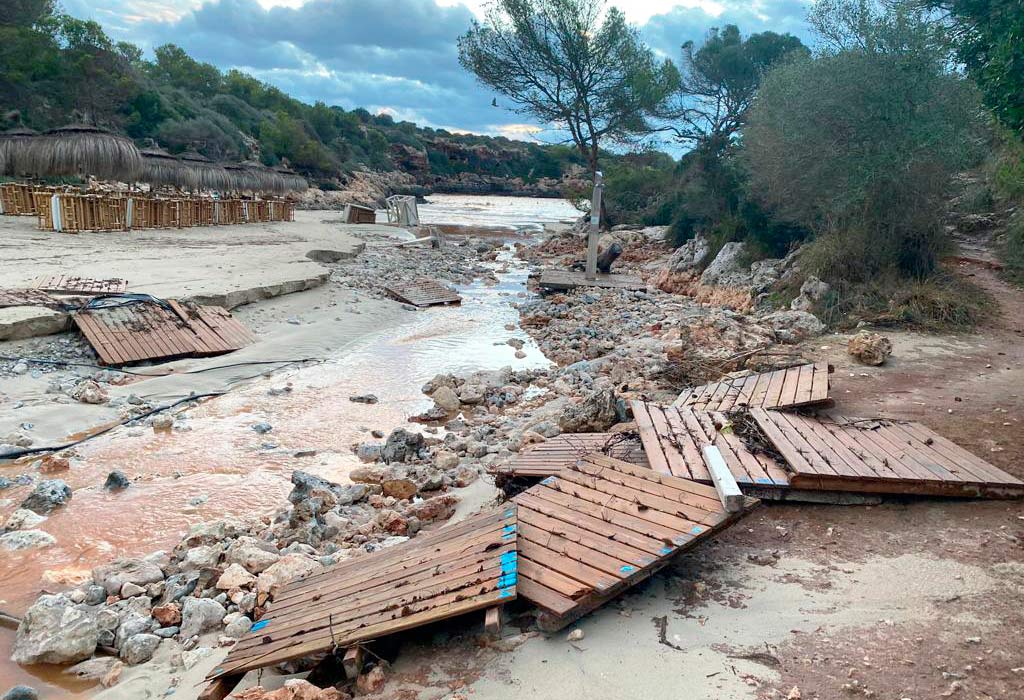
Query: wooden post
<point x="728" y="490"/>
<point x="220" y="688"/>
<point x="595" y="226"/>
<point x="352" y="662"/>
<point x="492" y="622"/>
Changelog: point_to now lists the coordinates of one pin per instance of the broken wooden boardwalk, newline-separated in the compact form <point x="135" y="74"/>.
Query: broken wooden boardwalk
<point x="601" y="526"/>
<point x="804" y="385"/>
<point x="548" y="458"/>
<point x="674" y="439"/>
<point x="66" y="284"/>
<point x="879" y="456"/>
<point x="25" y="297"/>
<point x="458" y="569"/>
<point x="423" y="292"/>
<point x="571" y="279"/>
<point x="146" y="330"/>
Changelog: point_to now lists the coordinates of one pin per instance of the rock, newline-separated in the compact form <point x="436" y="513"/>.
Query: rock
<point x="689" y="256"/>
<point x="201" y="557"/>
<point x="238" y="627"/>
<point x="52" y="464"/>
<point x="364" y="398"/>
<point x="446" y="460"/>
<point x="54" y="631"/>
<point x="371" y="682"/>
<point x="289" y="567"/>
<point x="472" y="394"/>
<point x="116" y="480"/>
<point x="794" y="326"/>
<point x="139" y="649"/>
<point x="402" y="489"/>
<point x="594" y="414"/>
<point x="191" y="657"/>
<point x="21" y="692"/>
<point x="728" y="269"/>
<point x="293" y="689"/>
<point x="262" y="428"/>
<point x="168" y="614"/>
<point x="23" y="519"/>
<point x="401" y="446"/>
<point x="335" y="256"/>
<point x="234" y="577"/>
<point x="812" y="291"/>
<point x="138" y="571"/>
<point x="163" y="422"/>
<point x="47" y="495"/>
<point x="130" y="590"/>
<point x="465" y="476"/>
<point x="446" y="399"/>
<point x="131" y="624"/>
<point x="88" y="391"/>
<point x="200" y="615"/>
<point x="368" y="451"/>
<point x="869" y="348"/>
<point x="575" y="636"/>
<point x="94" y="670"/>
<point x="308" y="486"/>
<point x="367" y="475"/>
<point x="250" y="555"/>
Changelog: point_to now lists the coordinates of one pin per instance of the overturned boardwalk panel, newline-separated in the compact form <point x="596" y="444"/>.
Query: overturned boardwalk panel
<point x="804" y="385"/>
<point x="458" y="569"/>
<point x="137" y="331"/>
<point x="548" y="458"/>
<point x="674" y="439"/>
<point x="67" y="284"/>
<point x="423" y="292"/>
<point x="880" y="456"/>
<point x="25" y="297"/>
<point x="571" y="279"/>
<point x="601" y="526"/>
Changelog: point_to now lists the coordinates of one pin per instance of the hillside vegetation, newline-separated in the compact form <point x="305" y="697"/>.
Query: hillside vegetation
<point x="56" y="69"/>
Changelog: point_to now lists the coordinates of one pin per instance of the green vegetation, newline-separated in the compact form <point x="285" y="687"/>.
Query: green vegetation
<point x="57" y="69"/>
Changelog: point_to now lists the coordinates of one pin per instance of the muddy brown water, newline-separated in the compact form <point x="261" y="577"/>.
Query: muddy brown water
<point x="220" y="467"/>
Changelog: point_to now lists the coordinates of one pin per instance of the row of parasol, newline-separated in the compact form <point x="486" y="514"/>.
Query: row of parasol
<point x="80" y="150"/>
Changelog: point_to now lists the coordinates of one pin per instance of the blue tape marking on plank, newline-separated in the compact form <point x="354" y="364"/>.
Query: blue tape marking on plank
<point x="696" y="529"/>
<point x="507" y="580"/>
<point x="510" y="528"/>
<point x="548" y="481"/>
<point x="507" y="566"/>
<point x="666" y="550"/>
<point x="764" y="480"/>
<point x="627" y="569"/>
<point x="510" y="556"/>
<point x="509" y="513"/>
<point x="505" y="594"/>
<point x="259" y="625"/>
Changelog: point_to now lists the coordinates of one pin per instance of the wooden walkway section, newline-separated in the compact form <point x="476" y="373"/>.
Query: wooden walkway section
<point x="805" y="385"/>
<point x="563" y="280"/>
<point x="142" y="331"/>
<point x="423" y="292"/>
<point x="880" y="456"/>
<point x="66" y="284"/>
<point x="458" y="569"/>
<point x="552" y="456"/>
<point x="601" y="526"/>
<point x="674" y="439"/>
<point x="25" y="297"/>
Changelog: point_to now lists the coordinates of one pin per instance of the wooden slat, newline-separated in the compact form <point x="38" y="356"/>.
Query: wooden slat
<point x="880" y="456"/>
<point x="803" y="385"/>
<point x="354" y="604"/>
<point x="25" y="297"/>
<point x="592" y="531"/>
<point x="70" y="284"/>
<point x="551" y="456"/>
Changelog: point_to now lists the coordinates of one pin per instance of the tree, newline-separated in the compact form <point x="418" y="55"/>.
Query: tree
<point x="988" y="36"/>
<point x="718" y="82"/>
<point x="859" y="145"/>
<point x="571" y="64"/>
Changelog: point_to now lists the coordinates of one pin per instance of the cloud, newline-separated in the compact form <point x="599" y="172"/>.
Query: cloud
<point x="394" y="55"/>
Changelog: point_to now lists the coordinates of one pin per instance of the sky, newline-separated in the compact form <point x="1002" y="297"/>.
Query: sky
<point x="394" y="56"/>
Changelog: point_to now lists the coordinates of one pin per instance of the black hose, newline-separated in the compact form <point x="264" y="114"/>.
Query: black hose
<point x="64" y="363"/>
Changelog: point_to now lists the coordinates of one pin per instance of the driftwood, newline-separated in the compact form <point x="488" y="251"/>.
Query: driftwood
<point x="608" y="256"/>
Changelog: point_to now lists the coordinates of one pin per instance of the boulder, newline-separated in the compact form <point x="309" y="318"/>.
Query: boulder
<point x="23" y="519"/>
<point x="131" y="624"/>
<point x="289" y="567"/>
<point x="445" y="459"/>
<point x="214" y="532"/>
<point x="689" y="255"/>
<point x="138" y="571"/>
<point x="94" y="670"/>
<point x="234" y="577"/>
<point x="47" y="495"/>
<point x="26" y="539"/>
<point x="21" y="692"/>
<point x="200" y="615"/>
<point x="88" y="391"/>
<point x="251" y="554"/>
<point x="793" y="326"/>
<point x="812" y="291"/>
<point x="401" y="446"/>
<point x="308" y="486"/>
<point x="594" y="414"/>
<point x="446" y="398"/>
<point x="238" y="627"/>
<point x="168" y="614"/>
<point x="139" y="649"/>
<point x="729" y="268"/>
<point x="54" y="631"/>
<point x="869" y="348"/>
<point x="402" y="489"/>
<point x="201" y="557"/>
<point x="116" y="481"/>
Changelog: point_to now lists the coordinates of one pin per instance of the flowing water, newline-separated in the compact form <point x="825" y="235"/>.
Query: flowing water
<point x="220" y="466"/>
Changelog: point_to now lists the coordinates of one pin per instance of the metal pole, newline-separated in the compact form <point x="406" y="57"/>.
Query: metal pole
<point x="595" y="226"/>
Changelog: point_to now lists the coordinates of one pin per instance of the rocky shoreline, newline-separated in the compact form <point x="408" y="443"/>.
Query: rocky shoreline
<point x="608" y="346"/>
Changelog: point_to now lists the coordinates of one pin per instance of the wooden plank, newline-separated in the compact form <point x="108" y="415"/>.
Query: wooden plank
<point x="25" y="297"/>
<point x="591" y="532"/>
<point x="352" y="661"/>
<point x="728" y="489"/>
<point x="71" y="284"/>
<point x="422" y="292"/>
<point x="784" y="388"/>
<point x="551" y="456"/>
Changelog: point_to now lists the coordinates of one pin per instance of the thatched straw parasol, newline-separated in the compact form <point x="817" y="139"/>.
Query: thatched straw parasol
<point x="14" y="144"/>
<point x="80" y="150"/>
<point x="209" y="175"/>
<point x="266" y="179"/>
<point x="161" y="168"/>
<point x="242" y="178"/>
<point x="292" y="180"/>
